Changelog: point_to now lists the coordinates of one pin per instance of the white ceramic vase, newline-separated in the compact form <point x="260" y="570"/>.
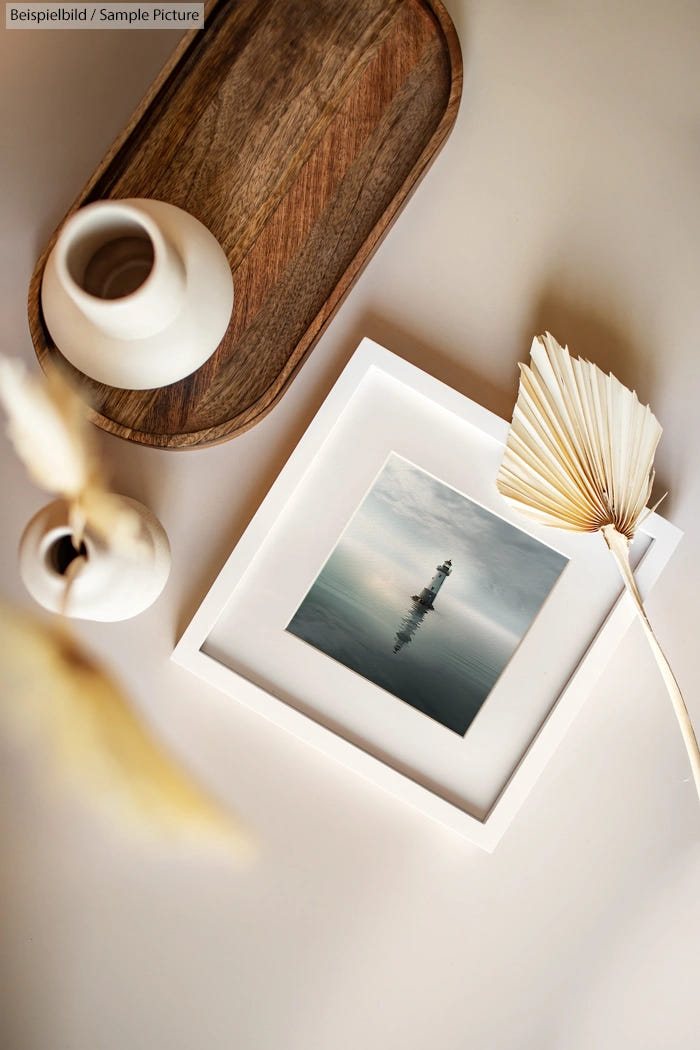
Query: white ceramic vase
<point x="110" y="586"/>
<point x="136" y="293"/>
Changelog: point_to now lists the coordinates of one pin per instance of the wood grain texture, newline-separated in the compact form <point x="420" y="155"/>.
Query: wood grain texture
<point x="295" y="132"/>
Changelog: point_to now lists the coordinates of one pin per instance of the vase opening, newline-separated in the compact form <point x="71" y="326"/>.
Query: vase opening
<point x="62" y="553"/>
<point x="112" y="260"/>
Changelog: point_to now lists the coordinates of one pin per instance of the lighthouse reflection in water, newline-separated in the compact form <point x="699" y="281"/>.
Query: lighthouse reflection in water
<point x="439" y="646"/>
<point x="408" y="627"/>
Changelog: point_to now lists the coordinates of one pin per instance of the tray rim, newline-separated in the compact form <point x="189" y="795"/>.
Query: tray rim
<point x="243" y="420"/>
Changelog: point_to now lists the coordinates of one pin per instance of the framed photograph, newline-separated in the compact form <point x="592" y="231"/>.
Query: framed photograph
<point x="386" y="605"/>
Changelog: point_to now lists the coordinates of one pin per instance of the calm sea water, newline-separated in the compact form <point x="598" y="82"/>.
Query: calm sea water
<point x="443" y="662"/>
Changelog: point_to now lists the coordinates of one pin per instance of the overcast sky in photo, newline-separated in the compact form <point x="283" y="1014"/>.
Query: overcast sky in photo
<point x="410" y="522"/>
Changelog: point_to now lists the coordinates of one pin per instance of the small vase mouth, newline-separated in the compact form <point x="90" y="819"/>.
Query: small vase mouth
<point x="62" y="552"/>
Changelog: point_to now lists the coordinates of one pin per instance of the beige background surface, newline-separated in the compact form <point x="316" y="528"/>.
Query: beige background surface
<point x="566" y="198"/>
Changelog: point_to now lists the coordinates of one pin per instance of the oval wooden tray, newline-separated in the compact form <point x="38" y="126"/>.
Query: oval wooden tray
<point x="295" y="131"/>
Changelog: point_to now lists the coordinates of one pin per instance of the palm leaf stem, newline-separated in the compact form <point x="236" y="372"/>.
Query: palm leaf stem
<point x="619" y="547"/>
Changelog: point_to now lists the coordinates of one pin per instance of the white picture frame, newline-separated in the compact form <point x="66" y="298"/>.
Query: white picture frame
<point x="238" y="642"/>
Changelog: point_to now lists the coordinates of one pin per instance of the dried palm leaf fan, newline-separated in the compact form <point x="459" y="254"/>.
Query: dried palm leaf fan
<point x="579" y="456"/>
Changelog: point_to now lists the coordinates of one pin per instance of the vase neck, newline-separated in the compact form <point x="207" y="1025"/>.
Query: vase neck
<point x="120" y="270"/>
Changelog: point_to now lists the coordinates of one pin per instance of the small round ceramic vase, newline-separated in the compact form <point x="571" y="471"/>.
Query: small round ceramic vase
<point x="110" y="586"/>
<point x="136" y="293"/>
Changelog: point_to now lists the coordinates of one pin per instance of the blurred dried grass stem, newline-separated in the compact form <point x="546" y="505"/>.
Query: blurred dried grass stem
<point x="51" y="692"/>
<point x="48" y="427"/>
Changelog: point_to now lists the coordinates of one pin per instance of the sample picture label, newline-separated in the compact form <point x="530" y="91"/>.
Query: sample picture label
<point x="104" y="16"/>
<point x="427" y="594"/>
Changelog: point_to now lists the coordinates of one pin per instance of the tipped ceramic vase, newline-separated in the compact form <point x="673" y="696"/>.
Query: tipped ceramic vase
<point x="110" y="585"/>
<point x="136" y="293"/>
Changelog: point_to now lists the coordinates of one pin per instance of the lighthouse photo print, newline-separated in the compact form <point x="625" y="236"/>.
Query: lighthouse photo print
<point x="427" y="594"/>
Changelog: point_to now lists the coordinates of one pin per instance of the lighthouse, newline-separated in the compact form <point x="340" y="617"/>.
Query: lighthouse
<point x="428" y="595"/>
